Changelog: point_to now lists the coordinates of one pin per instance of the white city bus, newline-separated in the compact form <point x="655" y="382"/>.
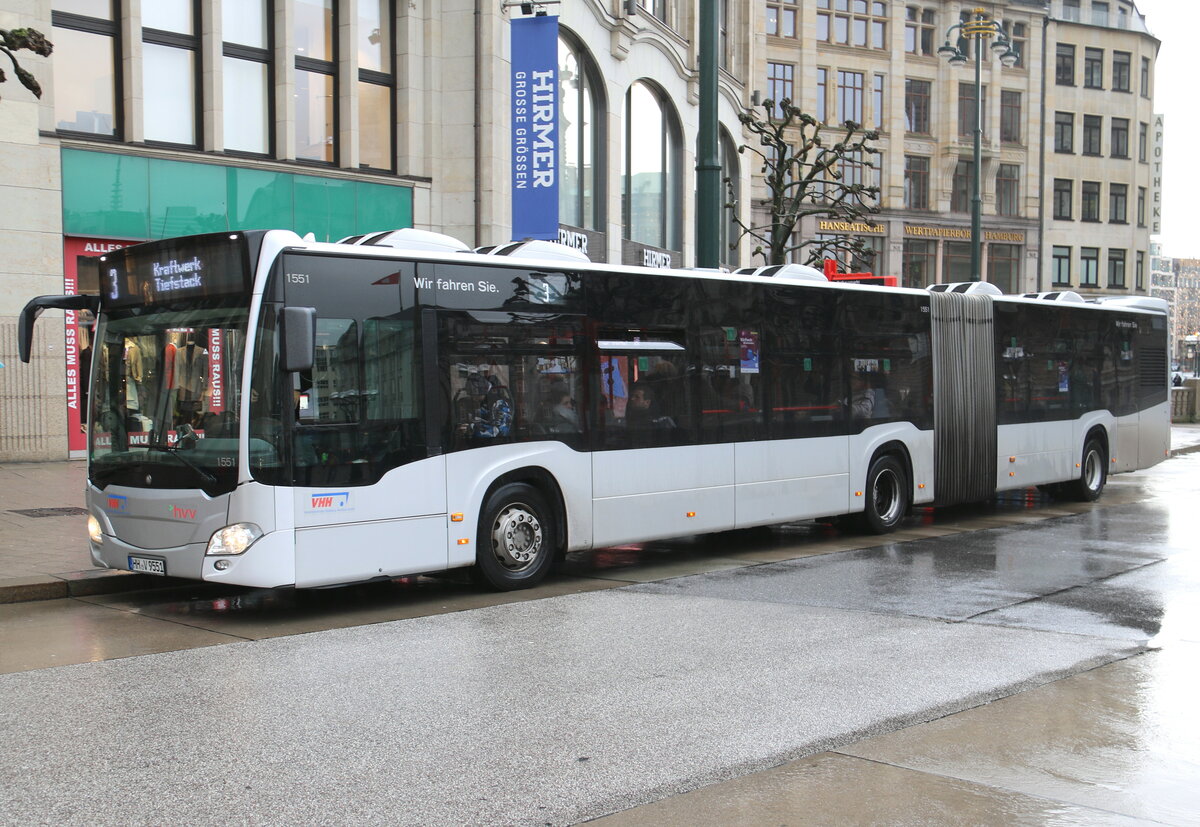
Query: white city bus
<point x="271" y="411"/>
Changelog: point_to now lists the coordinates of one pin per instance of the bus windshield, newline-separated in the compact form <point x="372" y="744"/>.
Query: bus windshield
<point x="166" y="382"/>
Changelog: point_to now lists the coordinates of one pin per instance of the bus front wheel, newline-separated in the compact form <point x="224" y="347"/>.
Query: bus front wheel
<point x="515" y="541"/>
<point x="887" y="496"/>
<point x="1093" y="473"/>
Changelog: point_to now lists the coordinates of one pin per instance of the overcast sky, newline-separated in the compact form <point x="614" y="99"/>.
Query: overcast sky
<point x="1177" y="24"/>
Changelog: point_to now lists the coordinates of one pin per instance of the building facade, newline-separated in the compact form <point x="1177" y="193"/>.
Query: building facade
<point x="876" y="63"/>
<point x="1103" y="146"/>
<point x="332" y="117"/>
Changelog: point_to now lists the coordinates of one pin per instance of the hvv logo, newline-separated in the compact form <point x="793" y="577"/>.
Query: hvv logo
<point x="329" y="501"/>
<point x="181" y="513"/>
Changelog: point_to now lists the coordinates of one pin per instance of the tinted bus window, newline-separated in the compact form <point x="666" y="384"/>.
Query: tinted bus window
<point x="803" y="383"/>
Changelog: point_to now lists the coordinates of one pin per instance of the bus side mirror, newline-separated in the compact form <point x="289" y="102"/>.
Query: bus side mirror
<point x="297" y="338"/>
<point x="34" y="308"/>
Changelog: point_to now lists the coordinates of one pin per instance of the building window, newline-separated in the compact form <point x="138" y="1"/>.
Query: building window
<point x="85" y="46"/>
<point x="822" y="95"/>
<point x="780" y="84"/>
<point x="651" y="169"/>
<point x="877" y="102"/>
<point x="1064" y="131"/>
<point x="1020" y="37"/>
<point x="1118" y="197"/>
<point x="581" y="123"/>
<point x="1064" y="67"/>
<point x="1003" y="260"/>
<point x="1099" y="13"/>
<point x="1089" y="207"/>
<point x="850" y="96"/>
<point x="967" y="109"/>
<point x="853" y="22"/>
<point x="1120" y="71"/>
<point x="1093" y="68"/>
<point x="1145" y="77"/>
<point x="1141" y="207"/>
<point x="376" y="86"/>
<point x="1010" y="116"/>
<point x="960" y="193"/>
<point x="1091" y="134"/>
<point x="1089" y="266"/>
<point x="956" y="262"/>
<point x="920" y="263"/>
<point x="1064" y="197"/>
<point x="781" y="18"/>
<point x="1119" y="138"/>
<point x="246" y="76"/>
<point x="316" y="81"/>
<point x="1116" y="268"/>
<point x="1143" y="136"/>
<point x="656" y="8"/>
<point x="1140" y="273"/>
<point x="169" y="72"/>
<point x="728" y="159"/>
<point x="916" y="182"/>
<point x="1007" y="192"/>
<point x="918" y="30"/>
<point x="1071" y="11"/>
<point x="1061" y="272"/>
<point x="916" y="106"/>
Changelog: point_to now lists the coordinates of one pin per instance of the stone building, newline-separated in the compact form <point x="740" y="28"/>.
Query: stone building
<point x="335" y="117"/>
<point x="876" y="62"/>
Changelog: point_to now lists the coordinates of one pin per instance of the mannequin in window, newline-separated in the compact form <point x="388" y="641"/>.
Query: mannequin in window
<point x="191" y="378"/>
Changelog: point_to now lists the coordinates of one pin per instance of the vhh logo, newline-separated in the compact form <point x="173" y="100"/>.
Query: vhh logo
<point x="181" y="513"/>
<point x="334" y="499"/>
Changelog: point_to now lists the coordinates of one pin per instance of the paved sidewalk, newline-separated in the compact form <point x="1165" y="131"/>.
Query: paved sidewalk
<point x="44" y="551"/>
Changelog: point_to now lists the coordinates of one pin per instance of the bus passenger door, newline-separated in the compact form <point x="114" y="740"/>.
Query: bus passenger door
<point x="369" y="498"/>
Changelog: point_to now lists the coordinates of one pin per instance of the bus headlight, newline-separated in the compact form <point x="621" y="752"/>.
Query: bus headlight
<point x="94" y="532"/>
<point x="233" y="539"/>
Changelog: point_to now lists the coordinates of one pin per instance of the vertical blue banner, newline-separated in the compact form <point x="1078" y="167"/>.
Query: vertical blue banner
<point x="535" y="128"/>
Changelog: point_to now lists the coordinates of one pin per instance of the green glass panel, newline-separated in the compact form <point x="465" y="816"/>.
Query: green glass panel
<point x="259" y="200"/>
<point x="104" y="195"/>
<point x="383" y="208"/>
<point x="324" y="207"/>
<point x="186" y="199"/>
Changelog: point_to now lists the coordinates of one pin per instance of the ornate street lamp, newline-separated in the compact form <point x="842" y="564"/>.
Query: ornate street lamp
<point x="981" y="27"/>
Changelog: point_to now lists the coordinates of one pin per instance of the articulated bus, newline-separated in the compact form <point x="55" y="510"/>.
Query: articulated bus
<point x="269" y="411"/>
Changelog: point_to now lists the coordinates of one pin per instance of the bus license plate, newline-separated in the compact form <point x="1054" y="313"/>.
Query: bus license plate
<point x="147" y="565"/>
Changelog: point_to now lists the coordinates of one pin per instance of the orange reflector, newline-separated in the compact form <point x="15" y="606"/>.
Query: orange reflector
<point x="691" y="513"/>
<point x="858" y="493"/>
<point x="1012" y="459"/>
<point x="1012" y="473"/>
<point x="1114" y="459"/>
<point x="920" y="485"/>
<point x="456" y="518"/>
<point x="464" y="541"/>
<point x="1077" y="465"/>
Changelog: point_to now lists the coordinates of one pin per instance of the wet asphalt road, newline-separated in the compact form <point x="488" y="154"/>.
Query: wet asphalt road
<point x="602" y="696"/>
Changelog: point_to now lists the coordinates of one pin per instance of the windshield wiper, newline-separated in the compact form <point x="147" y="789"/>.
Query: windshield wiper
<point x="167" y="449"/>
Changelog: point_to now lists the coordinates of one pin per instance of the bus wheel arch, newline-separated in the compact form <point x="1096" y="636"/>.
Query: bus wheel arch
<point x="887" y="489"/>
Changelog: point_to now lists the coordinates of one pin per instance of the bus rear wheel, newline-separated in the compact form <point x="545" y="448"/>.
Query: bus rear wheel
<point x="887" y="496"/>
<point x="1093" y="473"/>
<point x="515" y="541"/>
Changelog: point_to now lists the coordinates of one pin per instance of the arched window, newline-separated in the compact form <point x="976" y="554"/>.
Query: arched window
<point x="581" y="125"/>
<point x="728" y="156"/>
<point x="652" y="173"/>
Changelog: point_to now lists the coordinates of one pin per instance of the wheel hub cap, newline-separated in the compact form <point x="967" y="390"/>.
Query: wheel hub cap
<point x="517" y="537"/>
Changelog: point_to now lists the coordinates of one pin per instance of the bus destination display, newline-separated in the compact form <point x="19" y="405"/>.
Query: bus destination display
<point x="162" y="272"/>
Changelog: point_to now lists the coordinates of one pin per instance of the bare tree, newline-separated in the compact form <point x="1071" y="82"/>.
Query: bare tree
<point x="14" y="40"/>
<point x="806" y="173"/>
